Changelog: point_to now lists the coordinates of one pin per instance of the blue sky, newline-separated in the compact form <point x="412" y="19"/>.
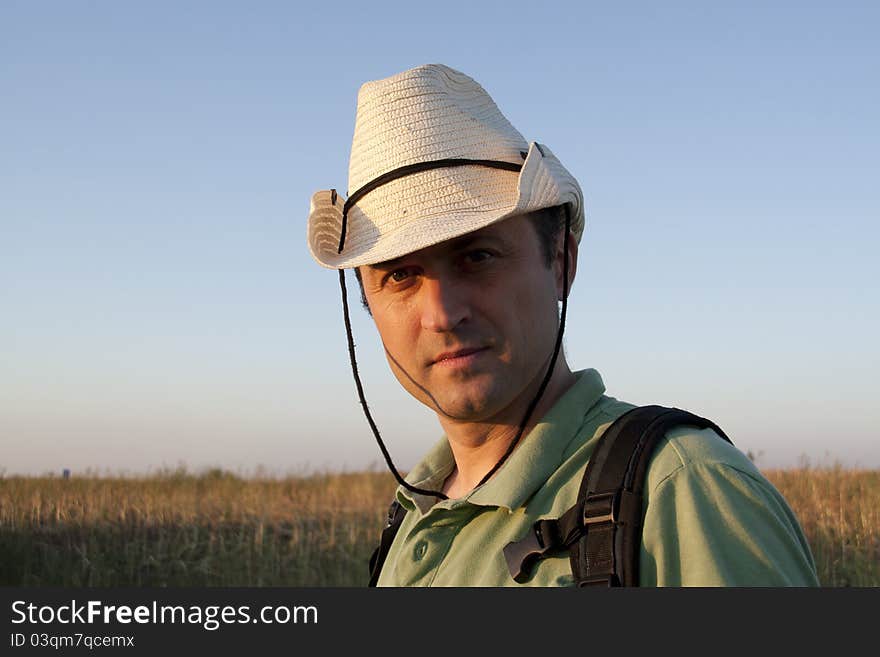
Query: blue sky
<point x="158" y="304"/>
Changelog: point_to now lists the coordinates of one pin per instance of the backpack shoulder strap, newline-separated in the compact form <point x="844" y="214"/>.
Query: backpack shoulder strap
<point x="602" y="531"/>
<point x="396" y="514"/>
<point x="607" y="552"/>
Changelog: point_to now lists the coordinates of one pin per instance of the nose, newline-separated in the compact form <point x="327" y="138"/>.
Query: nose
<point x="444" y="304"/>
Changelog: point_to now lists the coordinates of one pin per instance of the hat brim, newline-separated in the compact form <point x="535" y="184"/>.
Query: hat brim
<point x="430" y="207"/>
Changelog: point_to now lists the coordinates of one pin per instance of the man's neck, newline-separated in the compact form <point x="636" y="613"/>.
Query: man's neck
<point x="478" y="446"/>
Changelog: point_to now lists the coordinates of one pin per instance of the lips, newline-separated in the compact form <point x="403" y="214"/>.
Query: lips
<point x="459" y="353"/>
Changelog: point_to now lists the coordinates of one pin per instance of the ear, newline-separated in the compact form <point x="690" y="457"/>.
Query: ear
<point x="566" y="247"/>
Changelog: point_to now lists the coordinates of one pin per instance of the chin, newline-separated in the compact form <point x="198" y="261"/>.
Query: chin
<point x="474" y="407"/>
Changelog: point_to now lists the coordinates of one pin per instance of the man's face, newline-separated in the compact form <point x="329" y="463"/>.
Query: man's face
<point x="469" y="324"/>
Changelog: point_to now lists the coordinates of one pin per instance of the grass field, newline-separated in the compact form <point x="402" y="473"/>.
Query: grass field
<point x="216" y="529"/>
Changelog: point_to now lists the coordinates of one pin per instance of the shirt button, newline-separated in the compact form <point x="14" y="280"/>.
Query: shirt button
<point x="419" y="550"/>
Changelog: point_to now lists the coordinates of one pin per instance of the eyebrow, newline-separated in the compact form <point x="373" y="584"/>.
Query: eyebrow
<point x="455" y="244"/>
<point x="386" y="264"/>
<point x="459" y="243"/>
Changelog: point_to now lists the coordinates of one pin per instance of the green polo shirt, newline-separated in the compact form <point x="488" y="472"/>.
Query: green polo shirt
<point x="710" y="517"/>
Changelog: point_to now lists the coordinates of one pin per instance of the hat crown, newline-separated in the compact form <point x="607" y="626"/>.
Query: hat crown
<point x="431" y="112"/>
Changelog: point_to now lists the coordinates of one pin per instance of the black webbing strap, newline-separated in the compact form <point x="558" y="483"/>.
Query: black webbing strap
<point x="602" y="530"/>
<point x="396" y="514"/>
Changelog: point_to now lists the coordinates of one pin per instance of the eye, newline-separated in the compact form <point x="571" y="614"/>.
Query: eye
<point x="399" y="275"/>
<point x="477" y="256"/>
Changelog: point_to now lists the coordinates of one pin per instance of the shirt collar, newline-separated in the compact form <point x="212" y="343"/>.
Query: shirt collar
<point x="538" y="455"/>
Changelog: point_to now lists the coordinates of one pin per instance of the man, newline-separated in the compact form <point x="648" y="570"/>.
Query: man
<point x="464" y="239"/>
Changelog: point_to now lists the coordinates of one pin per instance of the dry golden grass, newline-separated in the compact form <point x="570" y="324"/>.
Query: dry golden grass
<point x="839" y="510"/>
<point x="216" y="529"/>
<point x="176" y="529"/>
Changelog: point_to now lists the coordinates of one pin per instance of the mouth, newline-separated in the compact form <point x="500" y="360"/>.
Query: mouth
<point x="459" y="357"/>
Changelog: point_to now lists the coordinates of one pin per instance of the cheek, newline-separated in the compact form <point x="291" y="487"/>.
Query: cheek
<point x="535" y="320"/>
<point x="397" y="330"/>
<point x="537" y="298"/>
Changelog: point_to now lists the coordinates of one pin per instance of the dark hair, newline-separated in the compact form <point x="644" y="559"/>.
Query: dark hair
<point x="547" y="222"/>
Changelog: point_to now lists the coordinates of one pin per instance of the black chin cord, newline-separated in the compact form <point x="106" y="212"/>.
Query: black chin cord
<point x="529" y="411"/>
<point x="360" y="389"/>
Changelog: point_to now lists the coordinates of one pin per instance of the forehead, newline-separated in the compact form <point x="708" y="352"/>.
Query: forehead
<point x="512" y="232"/>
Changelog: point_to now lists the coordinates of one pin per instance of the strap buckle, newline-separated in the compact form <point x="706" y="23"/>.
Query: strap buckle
<point x="392" y="513"/>
<point x="600" y="508"/>
<point x="522" y="555"/>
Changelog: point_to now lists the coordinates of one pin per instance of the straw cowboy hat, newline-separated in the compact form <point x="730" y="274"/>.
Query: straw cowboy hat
<point x="432" y="158"/>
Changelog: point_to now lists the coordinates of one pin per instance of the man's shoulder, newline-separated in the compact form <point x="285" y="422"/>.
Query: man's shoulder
<point x="695" y="470"/>
<point x="707" y="505"/>
<point x="685" y="448"/>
